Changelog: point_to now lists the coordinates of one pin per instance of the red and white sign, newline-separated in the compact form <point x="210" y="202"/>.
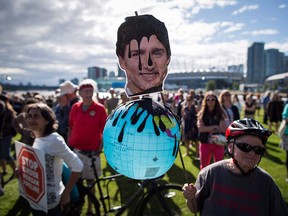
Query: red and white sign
<point x="32" y="175"/>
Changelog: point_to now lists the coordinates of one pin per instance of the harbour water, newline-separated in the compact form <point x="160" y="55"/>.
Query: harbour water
<point x="46" y="93"/>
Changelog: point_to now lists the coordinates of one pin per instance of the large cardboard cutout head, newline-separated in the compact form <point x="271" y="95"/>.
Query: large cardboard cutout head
<point x="144" y="53"/>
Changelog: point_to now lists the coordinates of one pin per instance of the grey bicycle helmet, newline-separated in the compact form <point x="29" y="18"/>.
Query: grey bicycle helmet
<point x="247" y="126"/>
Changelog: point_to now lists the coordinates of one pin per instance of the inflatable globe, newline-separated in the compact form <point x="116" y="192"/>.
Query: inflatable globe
<point x="141" y="139"/>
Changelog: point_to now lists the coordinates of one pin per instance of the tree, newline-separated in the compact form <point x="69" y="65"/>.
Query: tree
<point x="266" y="86"/>
<point x="235" y="86"/>
<point x="210" y="85"/>
<point x="275" y="86"/>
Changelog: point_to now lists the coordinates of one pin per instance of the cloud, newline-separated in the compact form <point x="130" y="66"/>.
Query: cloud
<point x="281" y="46"/>
<point x="245" y="8"/>
<point x="231" y="27"/>
<point x="261" y="32"/>
<point x="216" y="54"/>
<point x="282" y="6"/>
<point x="41" y="41"/>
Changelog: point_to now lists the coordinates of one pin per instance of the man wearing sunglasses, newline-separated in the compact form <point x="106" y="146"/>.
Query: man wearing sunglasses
<point x="237" y="186"/>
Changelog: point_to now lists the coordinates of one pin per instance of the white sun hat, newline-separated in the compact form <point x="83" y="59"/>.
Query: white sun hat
<point x="67" y="87"/>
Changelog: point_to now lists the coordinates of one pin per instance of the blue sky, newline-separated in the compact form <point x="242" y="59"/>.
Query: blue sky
<point x="258" y="20"/>
<point x="44" y="41"/>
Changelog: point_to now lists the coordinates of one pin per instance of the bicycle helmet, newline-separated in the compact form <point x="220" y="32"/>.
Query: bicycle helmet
<point x="247" y="126"/>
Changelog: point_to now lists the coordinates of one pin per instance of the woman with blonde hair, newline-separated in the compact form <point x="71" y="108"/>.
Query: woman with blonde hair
<point x="231" y="110"/>
<point x="212" y="121"/>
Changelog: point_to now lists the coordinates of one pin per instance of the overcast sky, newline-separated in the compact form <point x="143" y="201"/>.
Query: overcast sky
<point x="42" y="41"/>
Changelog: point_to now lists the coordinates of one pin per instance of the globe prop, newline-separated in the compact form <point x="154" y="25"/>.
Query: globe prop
<point x="141" y="139"/>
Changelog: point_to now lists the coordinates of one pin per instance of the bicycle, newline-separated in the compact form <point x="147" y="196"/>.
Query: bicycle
<point x="151" y="197"/>
<point x="3" y="182"/>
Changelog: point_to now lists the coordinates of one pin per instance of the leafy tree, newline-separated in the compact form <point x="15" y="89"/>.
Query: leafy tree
<point x="266" y="86"/>
<point x="235" y="86"/>
<point x="275" y="86"/>
<point x="210" y="85"/>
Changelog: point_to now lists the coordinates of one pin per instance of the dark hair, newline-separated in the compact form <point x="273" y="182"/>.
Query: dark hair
<point x="137" y="27"/>
<point x="27" y="102"/>
<point x="217" y="111"/>
<point x="48" y="114"/>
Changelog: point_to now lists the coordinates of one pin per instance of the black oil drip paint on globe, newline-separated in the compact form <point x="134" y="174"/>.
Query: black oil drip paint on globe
<point x="150" y="107"/>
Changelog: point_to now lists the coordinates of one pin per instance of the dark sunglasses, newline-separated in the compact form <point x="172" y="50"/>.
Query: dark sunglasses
<point x="210" y="99"/>
<point x="227" y="95"/>
<point x="247" y="148"/>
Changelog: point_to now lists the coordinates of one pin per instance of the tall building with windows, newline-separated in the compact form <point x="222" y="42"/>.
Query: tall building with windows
<point x="274" y="62"/>
<point x="236" y="68"/>
<point x="121" y="72"/>
<point x="286" y="63"/>
<point x="256" y="63"/>
<point x="74" y="80"/>
<point x="96" y="72"/>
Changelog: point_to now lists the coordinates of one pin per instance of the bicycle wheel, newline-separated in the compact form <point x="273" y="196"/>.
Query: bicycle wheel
<point x="167" y="200"/>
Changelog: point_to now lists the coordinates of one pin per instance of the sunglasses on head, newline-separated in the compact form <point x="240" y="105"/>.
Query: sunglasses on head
<point x="247" y="148"/>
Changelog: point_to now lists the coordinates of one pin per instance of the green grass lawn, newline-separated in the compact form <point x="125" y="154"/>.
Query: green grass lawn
<point x="273" y="162"/>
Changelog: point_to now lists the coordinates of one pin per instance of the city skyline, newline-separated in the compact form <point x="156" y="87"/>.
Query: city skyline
<point x="42" y="42"/>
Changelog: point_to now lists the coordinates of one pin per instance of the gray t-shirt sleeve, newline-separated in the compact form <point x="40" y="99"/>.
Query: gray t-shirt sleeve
<point x="222" y="192"/>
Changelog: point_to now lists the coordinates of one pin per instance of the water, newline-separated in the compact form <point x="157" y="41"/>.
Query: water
<point x="47" y="93"/>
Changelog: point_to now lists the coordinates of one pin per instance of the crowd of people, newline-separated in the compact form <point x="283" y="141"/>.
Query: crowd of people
<point x="66" y="126"/>
<point x="204" y="119"/>
<point x="78" y="120"/>
<point x="69" y="125"/>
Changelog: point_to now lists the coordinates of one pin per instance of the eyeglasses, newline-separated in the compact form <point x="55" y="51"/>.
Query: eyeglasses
<point x="245" y="147"/>
<point x="210" y="99"/>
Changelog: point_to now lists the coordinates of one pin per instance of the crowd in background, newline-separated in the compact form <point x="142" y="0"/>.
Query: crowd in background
<point x="188" y="105"/>
<point x="204" y="117"/>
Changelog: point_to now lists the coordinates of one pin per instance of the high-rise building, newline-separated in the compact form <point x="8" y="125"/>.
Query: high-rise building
<point x="256" y="63"/>
<point x="96" y="72"/>
<point x="61" y="81"/>
<point x="111" y="74"/>
<point x="285" y="63"/>
<point x="274" y="62"/>
<point x="75" y="81"/>
<point x="121" y="73"/>
<point x="236" y="68"/>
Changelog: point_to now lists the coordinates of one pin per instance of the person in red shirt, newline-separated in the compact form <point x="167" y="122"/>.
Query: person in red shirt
<point x="86" y="124"/>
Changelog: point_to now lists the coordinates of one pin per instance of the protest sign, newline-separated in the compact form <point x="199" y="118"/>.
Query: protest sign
<point x="32" y="175"/>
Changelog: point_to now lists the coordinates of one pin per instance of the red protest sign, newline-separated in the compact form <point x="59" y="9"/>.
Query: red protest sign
<point x="31" y="174"/>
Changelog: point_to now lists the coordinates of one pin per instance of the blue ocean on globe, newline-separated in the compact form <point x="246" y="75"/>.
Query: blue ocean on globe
<point x="141" y="139"/>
